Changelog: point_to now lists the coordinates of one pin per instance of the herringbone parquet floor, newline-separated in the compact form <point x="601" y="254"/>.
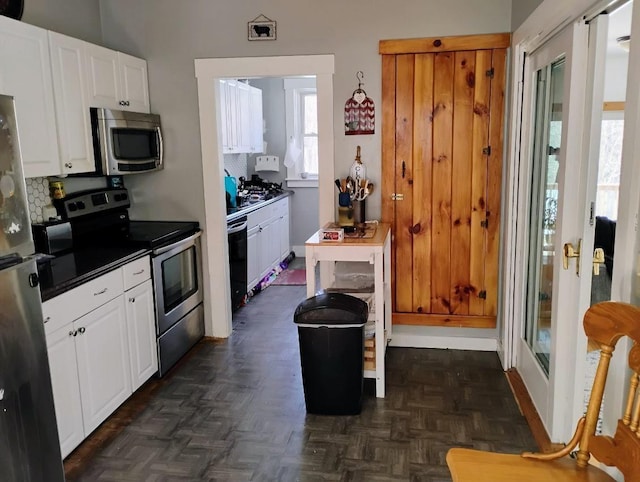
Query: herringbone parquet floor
<point x="235" y="411"/>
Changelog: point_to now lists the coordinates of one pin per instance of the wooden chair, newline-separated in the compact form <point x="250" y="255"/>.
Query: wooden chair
<point x="604" y="324"/>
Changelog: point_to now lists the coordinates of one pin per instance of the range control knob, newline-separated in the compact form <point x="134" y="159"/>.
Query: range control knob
<point x="80" y="205"/>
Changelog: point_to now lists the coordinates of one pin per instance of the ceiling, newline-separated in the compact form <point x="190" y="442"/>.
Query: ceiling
<point x="619" y="25"/>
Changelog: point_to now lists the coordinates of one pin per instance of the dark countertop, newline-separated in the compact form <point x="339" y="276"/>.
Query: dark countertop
<point x="235" y="213"/>
<point x="66" y="271"/>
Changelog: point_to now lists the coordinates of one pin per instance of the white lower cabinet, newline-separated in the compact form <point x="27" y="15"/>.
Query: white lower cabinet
<point x="269" y="246"/>
<point x="102" y="353"/>
<point x="89" y="363"/>
<point x="253" y="265"/>
<point x="267" y="239"/>
<point x="283" y="228"/>
<point x="61" y="348"/>
<point x="99" y="359"/>
<point x="141" y="328"/>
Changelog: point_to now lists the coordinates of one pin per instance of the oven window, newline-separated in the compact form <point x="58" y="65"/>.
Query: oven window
<point x="134" y="144"/>
<point x="179" y="278"/>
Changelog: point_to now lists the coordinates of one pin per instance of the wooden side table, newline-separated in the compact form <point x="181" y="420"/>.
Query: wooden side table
<point x="376" y="251"/>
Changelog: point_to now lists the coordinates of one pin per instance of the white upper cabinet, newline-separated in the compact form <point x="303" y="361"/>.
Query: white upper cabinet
<point x="72" y="111"/>
<point x="257" y="131"/>
<point x="113" y="76"/>
<point x="134" y="83"/>
<point x="241" y="117"/>
<point x="54" y="80"/>
<point x="103" y="77"/>
<point x="25" y="73"/>
<point x="243" y="110"/>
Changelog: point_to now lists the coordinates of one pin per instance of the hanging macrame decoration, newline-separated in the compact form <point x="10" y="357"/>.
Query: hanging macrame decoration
<point x="359" y="112"/>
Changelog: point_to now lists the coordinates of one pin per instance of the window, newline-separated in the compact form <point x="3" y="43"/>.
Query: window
<point x="301" y="110"/>
<point x="609" y="165"/>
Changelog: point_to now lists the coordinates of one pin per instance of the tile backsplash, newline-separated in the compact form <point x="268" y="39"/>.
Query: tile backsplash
<point x="38" y="196"/>
<point x="236" y="164"/>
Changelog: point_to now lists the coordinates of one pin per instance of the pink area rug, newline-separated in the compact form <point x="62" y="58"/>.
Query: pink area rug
<point x="291" y="277"/>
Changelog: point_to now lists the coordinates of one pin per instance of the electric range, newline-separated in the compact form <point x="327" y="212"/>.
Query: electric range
<point x="101" y="229"/>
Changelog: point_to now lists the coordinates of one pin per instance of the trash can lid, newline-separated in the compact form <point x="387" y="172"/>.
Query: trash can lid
<point x="332" y="309"/>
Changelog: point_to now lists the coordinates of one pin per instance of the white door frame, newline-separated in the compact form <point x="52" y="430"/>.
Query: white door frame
<point x="550" y="17"/>
<point x="553" y="395"/>
<point x="217" y="301"/>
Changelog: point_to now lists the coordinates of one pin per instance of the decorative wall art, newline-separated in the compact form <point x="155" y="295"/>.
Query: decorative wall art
<point x="261" y="28"/>
<point x="359" y="111"/>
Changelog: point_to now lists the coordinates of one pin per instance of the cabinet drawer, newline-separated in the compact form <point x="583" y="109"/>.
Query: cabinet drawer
<point x="136" y="272"/>
<point x="79" y="301"/>
<point x="262" y="215"/>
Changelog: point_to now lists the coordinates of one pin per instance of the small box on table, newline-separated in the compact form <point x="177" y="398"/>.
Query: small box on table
<point x="331" y="234"/>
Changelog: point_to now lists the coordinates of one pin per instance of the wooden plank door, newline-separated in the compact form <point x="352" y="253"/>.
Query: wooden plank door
<point x="442" y="157"/>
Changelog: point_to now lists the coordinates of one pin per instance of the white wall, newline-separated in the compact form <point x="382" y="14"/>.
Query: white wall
<point x="615" y="78"/>
<point x="170" y="35"/>
<point x="520" y="10"/>
<point x="77" y="18"/>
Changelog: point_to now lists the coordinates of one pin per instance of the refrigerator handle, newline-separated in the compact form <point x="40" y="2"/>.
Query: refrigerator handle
<point x="10" y="260"/>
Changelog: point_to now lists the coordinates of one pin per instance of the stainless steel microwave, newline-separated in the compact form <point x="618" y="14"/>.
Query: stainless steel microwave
<point x="125" y="142"/>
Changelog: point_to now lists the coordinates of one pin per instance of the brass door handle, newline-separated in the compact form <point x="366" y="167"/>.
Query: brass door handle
<point x="598" y="258"/>
<point x="569" y="251"/>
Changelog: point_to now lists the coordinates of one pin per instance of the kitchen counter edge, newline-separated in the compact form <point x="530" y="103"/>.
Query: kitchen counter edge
<point x="255" y="206"/>
<point x="63" y="287"/>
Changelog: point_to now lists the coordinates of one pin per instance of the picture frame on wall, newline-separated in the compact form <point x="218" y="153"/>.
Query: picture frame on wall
<point x="261" y="28"/>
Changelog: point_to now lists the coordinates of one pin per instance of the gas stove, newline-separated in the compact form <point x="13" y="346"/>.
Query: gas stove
<point x="258" y="186"/>
<point x="252" y="193"/>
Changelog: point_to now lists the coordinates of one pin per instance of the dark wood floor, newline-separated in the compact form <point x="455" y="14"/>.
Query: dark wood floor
<point x="235" y="411"/>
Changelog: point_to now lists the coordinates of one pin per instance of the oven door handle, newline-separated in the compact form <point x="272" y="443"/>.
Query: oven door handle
<point x="164" y="249"/>
<point x="236" y="228"/>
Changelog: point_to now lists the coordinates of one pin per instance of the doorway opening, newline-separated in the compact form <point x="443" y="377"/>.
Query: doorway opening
<point x="215" y="251"/>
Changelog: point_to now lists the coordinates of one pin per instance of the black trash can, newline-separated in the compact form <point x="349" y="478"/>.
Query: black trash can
<point x="331" y="334"/>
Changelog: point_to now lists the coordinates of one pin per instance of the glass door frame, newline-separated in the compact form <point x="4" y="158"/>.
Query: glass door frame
<point x="548" y="18"/>
<point x="553" y="395"/>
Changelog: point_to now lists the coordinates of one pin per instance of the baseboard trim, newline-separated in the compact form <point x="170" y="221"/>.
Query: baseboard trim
<point x="443" y="342"/>
<point x="530" y="413"/>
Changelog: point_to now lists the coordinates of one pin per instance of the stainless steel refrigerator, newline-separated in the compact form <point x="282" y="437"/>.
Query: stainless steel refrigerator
<point x="29" y="446"/>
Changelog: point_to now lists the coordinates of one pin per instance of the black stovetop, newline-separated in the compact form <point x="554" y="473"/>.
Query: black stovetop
<point x="154" y="234"/>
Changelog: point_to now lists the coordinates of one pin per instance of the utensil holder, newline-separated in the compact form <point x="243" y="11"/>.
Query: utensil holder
<point x="359" y="216"/>
<point x="345" y="216"/>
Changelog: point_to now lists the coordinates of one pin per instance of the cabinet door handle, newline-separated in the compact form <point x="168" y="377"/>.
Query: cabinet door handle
<point x="81" y="330"/>
<point x="47" y="319"/>
<point x="138" y="272"/>
<point x="100" y="292"/>
<point x="68" y="165"/>
<point x="122" y="103"/>
<point x="73" y="332"/>
<point x="132" y="300"/>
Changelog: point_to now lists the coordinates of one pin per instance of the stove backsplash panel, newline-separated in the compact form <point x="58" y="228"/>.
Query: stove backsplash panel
<point x="38" y="196"/>
<point x="38" y="191"/>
